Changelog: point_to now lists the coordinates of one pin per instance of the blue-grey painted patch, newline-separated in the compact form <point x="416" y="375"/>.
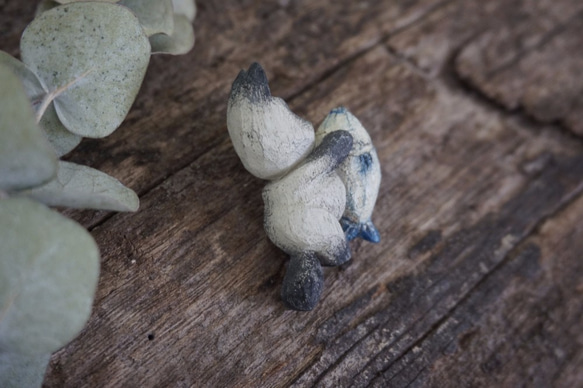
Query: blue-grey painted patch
<point x="366" y="230"/>
<point x="369" y="232"/>
<point x="350" y="229"/>
<point x="365" y="161"/>
<point x="350" y="205"/>
<point x="338" y="111"/>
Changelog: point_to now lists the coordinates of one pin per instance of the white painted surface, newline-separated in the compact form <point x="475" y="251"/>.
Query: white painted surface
<point x="362" y="187"/>
<point x="306" y="198"/>
<point x="268" y="137"/>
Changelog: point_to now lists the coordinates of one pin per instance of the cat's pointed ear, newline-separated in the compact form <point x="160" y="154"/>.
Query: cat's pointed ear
<point x="251" y="84"/>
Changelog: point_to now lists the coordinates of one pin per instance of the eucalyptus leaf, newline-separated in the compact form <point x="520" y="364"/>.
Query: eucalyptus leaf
<point x="26" y="158"/>
<point x="180" y="42"/>
<point x="155" y="16"/>
<point x="91" y="57"/>
<point x="49" y="267"/>
<point x="77" y="1"/>
<point x="186" y="8"/>
<point x="84" y="187"/>
<point x="17" y="370"/>
<point x="45" y="5"/>
<point x="32" y="85"/>
<point x="62" y="140"/>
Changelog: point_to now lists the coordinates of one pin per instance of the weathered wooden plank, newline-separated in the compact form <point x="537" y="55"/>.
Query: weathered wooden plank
<point x="547" y="88"/>
<point x="519" y="325"/>
<point x="205" y="280"/>
<point x="498" y="33"/>
<point x="508" y="52"/>
<point x="14" y="16"/>
<point x="473" y="273"/>
<point x="476" y="280"/>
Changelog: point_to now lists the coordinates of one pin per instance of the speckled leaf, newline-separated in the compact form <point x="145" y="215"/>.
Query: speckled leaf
<point x="62" y="140"/>
<point x="76" y="1"/>
<point x="32" y="85"/>
<point x="49" y="267"/>
<point x="45" y="5"/>
<point x="83" y="187"/>
<point x="26" y="158"/>
<point x="17" y="371"/>
<point x="91" y="57"/>
<point x="185" y="7"/>
<point x="155" y="16"/>
<point x="180" y="42"/>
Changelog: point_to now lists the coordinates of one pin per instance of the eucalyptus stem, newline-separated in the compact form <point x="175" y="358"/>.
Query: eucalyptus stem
<point x="48" y="98"/>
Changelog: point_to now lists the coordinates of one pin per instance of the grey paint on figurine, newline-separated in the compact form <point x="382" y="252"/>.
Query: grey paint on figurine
<point x="360" y="172"/>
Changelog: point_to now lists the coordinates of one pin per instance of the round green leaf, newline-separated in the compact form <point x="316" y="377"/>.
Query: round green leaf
<point x="180" y="42"/>
<point x="32" y="86"/>
<point x="45" y="5"/>
<point x="49" y="267"/>
<point x="17" y="370"/>
<point x="186" y="8"/>
<point x="155" y="16"/>
<point x="62" y="140"/>
<point x="84" y="187"/>
<point x="76" y="1"/>
<point x="91" y="57"/>
<point x="26" y="158"/>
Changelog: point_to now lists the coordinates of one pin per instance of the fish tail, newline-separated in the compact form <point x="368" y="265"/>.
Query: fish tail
<point x="365" y="230"/>
<point x="351" y="229"/>
<point x="369" y="232"/>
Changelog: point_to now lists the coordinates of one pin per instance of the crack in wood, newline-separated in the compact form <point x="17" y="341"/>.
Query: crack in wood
<point x="456" y="81"/>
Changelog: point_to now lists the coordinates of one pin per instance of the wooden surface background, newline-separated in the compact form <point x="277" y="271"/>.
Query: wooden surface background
<point x="475" y="107"/>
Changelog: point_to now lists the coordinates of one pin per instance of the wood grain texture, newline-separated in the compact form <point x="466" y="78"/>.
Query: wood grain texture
<point x="508" y="52"/>
<point x="477" y="279"/>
